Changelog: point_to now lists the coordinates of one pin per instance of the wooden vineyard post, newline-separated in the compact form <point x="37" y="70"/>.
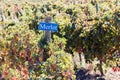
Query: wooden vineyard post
<point x="48" y="26"/>
<point x="47" y="34"/>
<point x="116" y="2"/>
<point x="96" y="5"/>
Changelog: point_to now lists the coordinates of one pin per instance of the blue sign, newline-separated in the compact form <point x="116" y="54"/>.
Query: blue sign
<point x="48" y="26"/>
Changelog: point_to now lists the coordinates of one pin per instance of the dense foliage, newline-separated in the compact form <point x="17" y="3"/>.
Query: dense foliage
<point x="92" y="28"/>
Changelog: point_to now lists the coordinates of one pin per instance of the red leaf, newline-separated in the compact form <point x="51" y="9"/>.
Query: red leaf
<point x="14" y="78"/>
